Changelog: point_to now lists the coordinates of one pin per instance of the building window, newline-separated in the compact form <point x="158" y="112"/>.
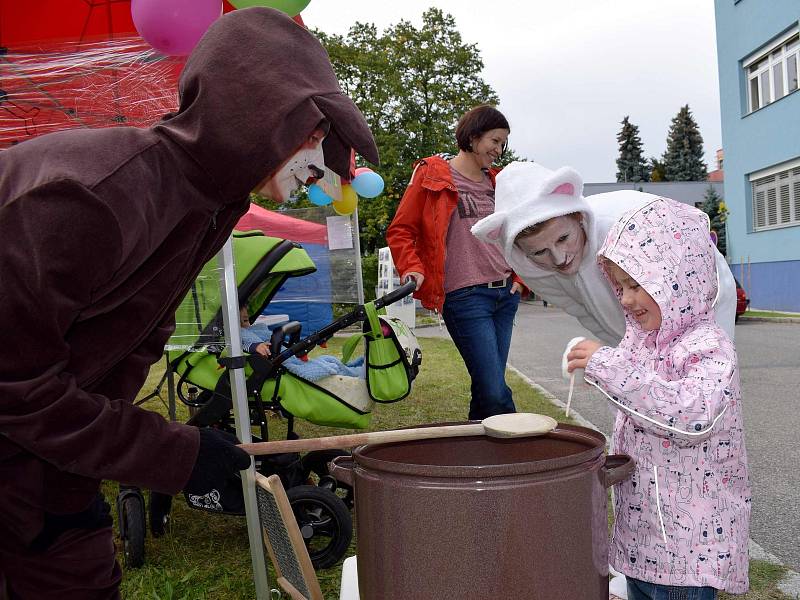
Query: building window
<point x="776" y="197"/>
<point x="772" y="72"/>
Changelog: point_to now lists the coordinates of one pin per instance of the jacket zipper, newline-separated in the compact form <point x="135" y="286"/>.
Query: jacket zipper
<point x="658" y="505"/>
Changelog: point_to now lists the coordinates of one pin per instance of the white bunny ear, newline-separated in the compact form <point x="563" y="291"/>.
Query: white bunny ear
<point x="490" y="229"/>
<point x="565" y="181"/>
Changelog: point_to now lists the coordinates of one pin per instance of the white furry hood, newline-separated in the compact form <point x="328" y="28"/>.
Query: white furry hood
<point x="528" y="193"/>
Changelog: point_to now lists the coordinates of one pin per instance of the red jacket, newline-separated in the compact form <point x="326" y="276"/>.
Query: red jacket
<point x="417" y="236"/>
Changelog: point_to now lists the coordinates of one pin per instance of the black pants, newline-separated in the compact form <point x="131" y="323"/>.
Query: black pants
<point x="73" y="559"/>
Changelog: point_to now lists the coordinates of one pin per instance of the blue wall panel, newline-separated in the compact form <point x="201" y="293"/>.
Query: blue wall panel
<point x="770" y="285"/>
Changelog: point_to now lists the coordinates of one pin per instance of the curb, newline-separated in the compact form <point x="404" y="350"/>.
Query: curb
<point x="769" y="319"/>
<point x="426" y="325"/>
<point x="789" y="585"/>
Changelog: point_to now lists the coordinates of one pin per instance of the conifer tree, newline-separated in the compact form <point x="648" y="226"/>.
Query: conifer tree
<point x="631" y="164"/>
<point x="717" y="213"/>
<point x="683" y="160"/>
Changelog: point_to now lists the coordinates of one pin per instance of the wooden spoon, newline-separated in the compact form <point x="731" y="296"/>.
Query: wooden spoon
<point x="509" y="425"/>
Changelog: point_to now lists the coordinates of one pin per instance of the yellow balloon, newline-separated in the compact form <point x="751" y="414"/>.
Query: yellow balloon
<point x="349" y="201"/>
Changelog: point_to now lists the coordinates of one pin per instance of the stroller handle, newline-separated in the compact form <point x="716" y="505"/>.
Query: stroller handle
<point x="395" y="295"/>
<point x="295" y="347"/>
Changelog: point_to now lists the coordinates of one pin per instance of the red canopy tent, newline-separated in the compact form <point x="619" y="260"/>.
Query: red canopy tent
<point x="78" y="63"/>
<point x="283" y="226"/>
<point x="48" y="21"/>
<point x="25" y="21"/>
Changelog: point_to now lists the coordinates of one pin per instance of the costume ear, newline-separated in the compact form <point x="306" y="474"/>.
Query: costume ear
<point x="565" y="182"/>
<point x="490" y="229"/>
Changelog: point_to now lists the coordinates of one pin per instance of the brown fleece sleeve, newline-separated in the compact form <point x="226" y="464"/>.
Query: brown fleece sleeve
<point x="61" y="242"/>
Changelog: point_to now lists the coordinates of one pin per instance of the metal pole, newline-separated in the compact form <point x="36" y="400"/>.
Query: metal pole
<point x="233" y="339"/>
<point x="171" y="392"/>
<point x="357" y="246"/>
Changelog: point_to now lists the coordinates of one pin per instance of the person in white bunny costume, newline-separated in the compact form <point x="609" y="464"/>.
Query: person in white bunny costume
<point x="550" y="235"/>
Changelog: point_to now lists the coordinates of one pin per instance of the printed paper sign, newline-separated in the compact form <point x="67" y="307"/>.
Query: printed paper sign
<point x="340" y="233"/>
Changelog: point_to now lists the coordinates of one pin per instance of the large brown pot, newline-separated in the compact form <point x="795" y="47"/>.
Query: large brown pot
<point x="481" y="517"/>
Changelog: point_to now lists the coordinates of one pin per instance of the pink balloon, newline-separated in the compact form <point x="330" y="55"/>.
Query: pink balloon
<point x="174" y="27"/>
<point x="361" y="170"/>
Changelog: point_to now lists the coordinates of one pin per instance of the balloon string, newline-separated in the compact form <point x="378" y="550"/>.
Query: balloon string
<point x="571" y="387"/>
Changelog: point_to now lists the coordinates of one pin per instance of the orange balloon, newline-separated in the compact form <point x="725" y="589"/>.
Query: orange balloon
<point x="349" y="201"/>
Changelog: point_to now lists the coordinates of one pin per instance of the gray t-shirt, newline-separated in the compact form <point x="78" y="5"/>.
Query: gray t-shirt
<point x="470" y="261"/>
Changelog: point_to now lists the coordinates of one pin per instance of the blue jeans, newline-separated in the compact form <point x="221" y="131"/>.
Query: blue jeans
<point x="641" y="590"/>
<point x="480" y="320"/>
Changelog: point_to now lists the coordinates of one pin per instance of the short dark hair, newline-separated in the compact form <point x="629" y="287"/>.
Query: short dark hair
<point x="477" y="121"/>
<point x="532" y="229"/>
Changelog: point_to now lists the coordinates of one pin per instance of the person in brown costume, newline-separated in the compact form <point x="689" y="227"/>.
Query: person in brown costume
<point x="103" y="231"/>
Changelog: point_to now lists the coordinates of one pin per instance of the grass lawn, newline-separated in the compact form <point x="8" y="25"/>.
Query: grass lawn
<point x="206" y="557"/>
<point x="768" y="314"/>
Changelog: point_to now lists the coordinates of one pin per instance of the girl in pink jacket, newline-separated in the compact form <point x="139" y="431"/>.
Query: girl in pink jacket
<point x="682" y="519"/>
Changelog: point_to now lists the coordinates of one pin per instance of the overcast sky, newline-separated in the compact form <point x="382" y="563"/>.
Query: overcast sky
<point x="568" y="71"/>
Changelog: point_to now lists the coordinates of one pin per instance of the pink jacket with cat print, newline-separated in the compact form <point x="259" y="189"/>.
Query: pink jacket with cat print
<point x="683" y="517"/>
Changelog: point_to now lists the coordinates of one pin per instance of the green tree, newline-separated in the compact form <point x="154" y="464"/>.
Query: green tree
<point x="717" y="212"/>
<point x="631" y="164"/>
<point x="683" y="160"/>
<point x="369" y="274"/>
<point x="412" y="85"/>
<point x="656" y="169"/>
<point x="299" y="201"/>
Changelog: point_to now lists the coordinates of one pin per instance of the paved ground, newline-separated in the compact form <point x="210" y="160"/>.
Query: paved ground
<point x="769" y="357"/>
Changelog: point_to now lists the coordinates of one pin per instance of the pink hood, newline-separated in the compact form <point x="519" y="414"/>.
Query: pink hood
<point x="666" y="247"/>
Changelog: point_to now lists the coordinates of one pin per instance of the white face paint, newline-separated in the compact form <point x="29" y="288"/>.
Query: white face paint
<point x="558" y="245"/>
<point x="304" y="165"/>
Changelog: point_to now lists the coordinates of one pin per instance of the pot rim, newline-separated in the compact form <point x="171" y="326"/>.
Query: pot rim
<point x="594" y="440"/>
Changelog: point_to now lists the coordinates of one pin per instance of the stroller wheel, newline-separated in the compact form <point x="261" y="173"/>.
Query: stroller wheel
<point x="324" y="521"/>
<point x="329" y="483"/>
<point x="160" y="507"/>
<point x="132" y="514"/>
<point x="317" y="461"/>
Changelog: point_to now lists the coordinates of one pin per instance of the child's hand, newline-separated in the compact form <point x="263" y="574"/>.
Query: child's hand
<point x="263" y="349"/>
<point x="581" y="353"/>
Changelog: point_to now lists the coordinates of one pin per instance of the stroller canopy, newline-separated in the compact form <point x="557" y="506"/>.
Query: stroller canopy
<point x="262" y="265"/>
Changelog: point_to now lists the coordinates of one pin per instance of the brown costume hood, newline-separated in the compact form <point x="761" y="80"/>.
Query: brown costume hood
<point x="265" y="102"/>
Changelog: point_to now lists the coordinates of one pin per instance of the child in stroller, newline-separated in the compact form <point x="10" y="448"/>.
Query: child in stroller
<point x="197" y="356"/>
<point x="255" y="340"/>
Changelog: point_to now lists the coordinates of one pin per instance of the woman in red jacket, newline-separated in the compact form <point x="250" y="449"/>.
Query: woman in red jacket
<point x="457" y="274"/>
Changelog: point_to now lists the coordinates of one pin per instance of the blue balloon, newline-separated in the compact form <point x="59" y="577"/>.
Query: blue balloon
<point x="368" y="185"/>
<point x="317" y="196"/>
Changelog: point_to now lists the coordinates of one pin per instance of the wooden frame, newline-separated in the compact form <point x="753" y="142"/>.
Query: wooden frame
<point x="273" y="486"/>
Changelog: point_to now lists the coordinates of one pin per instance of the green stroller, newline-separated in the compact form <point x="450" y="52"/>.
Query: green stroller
<point x="197" y="357"/>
